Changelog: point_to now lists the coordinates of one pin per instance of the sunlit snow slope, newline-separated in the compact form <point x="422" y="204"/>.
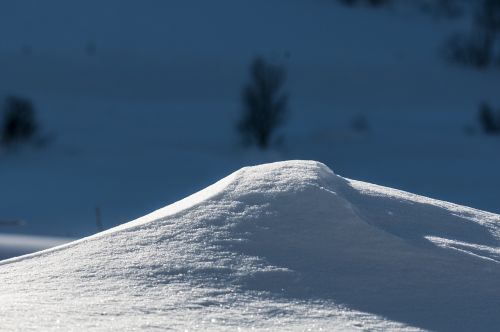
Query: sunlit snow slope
<point x="282" y="246"/>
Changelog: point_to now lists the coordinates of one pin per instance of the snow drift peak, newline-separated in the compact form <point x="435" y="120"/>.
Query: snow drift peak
<point x="249" y="184"/>
<point x="308" y="168"/>
<point x="284" y="176"/>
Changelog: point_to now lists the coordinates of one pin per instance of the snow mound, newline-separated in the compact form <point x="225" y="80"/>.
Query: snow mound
<point x="287" y="245"/>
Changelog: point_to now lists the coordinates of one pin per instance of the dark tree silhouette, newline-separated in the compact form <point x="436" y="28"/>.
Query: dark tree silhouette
<point x="447" y="8"/>
<point x="19" y="123"/>
<point x="471" y="50"/>
<point x="264" y="102"/>
<point x="489" y="120"/>
<point x="479" y="47"/>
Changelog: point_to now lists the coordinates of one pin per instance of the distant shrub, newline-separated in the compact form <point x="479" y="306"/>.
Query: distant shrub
<point x="473" y="50"/>
<point x="360" y="123"/>
<point x="490" y="120"/>
<point x="19" y="122"/>
<point x="264" y="103"/>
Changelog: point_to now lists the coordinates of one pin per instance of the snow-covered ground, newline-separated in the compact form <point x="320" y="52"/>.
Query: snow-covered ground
<point x="280" y="246"/>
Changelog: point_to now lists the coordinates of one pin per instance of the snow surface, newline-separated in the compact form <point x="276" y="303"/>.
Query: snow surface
<point x="281" y="246"/>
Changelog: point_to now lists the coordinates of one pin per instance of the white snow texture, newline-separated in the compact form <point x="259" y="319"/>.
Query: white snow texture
<point x="281" y="246"/>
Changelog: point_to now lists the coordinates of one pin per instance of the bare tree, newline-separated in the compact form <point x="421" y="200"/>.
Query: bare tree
<point x="19" y="123"/>
<point x="479" y="47"/>
<point x="264" y="103"/>
<point x="489" y="120"/>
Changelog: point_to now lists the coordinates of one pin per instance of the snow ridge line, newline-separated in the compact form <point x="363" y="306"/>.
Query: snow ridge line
<point x="171" y="210"/>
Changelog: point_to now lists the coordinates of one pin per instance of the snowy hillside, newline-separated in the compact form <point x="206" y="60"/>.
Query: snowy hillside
<point x="281" y="246"/>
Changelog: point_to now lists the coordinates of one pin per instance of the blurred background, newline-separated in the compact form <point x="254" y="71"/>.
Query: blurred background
<point x="110" y="110"/>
